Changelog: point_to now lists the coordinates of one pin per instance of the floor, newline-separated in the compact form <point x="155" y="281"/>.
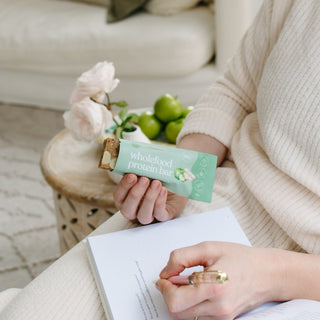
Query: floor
<point x="28" y="235"/>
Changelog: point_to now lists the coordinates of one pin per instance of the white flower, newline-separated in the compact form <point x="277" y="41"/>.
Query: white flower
<point x="87" y="120"/>
<point x="95" y="83"/>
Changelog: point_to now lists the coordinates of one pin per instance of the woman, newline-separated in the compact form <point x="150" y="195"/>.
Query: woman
<point x="262" y="119"/>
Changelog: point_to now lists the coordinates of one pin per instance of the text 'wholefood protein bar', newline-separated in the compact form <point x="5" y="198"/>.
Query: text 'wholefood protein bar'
<point x="185" y="172"/>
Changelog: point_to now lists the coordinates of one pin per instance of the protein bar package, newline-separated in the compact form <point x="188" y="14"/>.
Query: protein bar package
<point x="184" y="172"/>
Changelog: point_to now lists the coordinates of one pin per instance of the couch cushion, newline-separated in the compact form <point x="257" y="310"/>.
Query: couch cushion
<point x="48" y="36"/>
<point x="169" y="7"/>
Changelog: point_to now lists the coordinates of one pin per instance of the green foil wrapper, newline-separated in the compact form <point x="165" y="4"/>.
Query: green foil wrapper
<point x="184" y="172"/>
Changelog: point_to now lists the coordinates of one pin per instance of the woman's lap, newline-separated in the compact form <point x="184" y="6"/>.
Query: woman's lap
<point x="67" y="290"/>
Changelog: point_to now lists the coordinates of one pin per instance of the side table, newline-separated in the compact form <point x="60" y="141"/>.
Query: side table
<point x="82" y="192"/>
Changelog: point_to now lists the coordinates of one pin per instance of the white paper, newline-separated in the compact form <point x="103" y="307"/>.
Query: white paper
<point x="127" y="262"/>
<point x="292" y="310"/>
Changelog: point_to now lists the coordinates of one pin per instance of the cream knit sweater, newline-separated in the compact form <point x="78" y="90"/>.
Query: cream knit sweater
<point x="267" y="111"/>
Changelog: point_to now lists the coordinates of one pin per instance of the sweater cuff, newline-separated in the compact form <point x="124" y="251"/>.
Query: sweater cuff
<point x="212" y="122"/>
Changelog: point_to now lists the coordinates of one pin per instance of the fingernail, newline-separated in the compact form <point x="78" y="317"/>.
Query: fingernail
<point x="129" y="178"/>
<point x="143" y="181"/>
<point x="163" y="192"/>
<point x="155" y="185"/>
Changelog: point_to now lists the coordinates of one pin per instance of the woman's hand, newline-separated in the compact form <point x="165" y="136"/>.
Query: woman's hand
<point x="138" y="198"/>
<point x="253" y="279"/>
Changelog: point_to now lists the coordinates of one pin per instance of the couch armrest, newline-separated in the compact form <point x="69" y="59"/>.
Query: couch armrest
<point x="233" y="17"/>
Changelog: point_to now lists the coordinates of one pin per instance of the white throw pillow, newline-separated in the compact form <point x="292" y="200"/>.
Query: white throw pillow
<point x="169" y="7"/>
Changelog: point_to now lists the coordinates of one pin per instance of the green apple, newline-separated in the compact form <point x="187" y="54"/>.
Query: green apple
<point x="168" y="108"/>
<point x="173" y="128"/>
<point x="149" y="124"/>
<point x="186" y="110"/>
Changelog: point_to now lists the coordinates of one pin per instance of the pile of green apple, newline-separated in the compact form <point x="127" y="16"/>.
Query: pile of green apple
<point x="168" y="115"/>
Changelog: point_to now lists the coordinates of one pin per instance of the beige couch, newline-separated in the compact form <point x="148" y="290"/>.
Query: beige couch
<point x="46" y="44"/>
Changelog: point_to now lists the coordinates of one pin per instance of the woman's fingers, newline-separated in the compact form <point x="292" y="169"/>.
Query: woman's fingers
<point x="129" y="206"/>
<point x="207" y="309"/>
<point x="160" y="212"/>
<point x="250" y="280"/>
<point x="204" y="254"/>
<point x="138" y="198"/>
<point x="178" y="298"/>
<point x="188" y="300"/>
<point x="168" y="205"/>
<point x="145" y="212"/>
<point x="121" y="190"/>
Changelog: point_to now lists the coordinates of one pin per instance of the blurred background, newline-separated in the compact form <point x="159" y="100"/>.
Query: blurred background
<point x="158" y="46"/>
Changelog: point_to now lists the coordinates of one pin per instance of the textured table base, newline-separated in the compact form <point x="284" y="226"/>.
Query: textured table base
<point x="75" y="220"/>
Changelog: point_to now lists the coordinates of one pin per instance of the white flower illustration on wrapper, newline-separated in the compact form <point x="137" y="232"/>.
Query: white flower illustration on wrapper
<point x="184" y="175"/>
<point x="95" y="83"/>
<point x="87" y="120"/>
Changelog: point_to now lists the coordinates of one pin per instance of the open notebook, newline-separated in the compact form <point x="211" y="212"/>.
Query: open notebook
<point x="126" y="263"/>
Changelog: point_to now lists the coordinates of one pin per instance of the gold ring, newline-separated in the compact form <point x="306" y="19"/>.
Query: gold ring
<point x="195" y="318"/>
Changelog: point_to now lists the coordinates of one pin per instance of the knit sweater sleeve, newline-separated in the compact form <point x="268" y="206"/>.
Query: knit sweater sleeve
<point x="221" y="110"/>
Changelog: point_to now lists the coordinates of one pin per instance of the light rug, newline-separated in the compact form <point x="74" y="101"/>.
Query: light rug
<point x="28" y="235"/>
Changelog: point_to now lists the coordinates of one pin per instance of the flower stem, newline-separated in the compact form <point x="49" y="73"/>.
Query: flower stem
<point x="109" y="103"/>
<point x="99" y="103"/>
<point x="116" y="122"/>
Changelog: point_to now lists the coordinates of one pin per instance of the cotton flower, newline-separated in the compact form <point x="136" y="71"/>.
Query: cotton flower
<point x="87" y="120"/>
<point x="95" y="83"/>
